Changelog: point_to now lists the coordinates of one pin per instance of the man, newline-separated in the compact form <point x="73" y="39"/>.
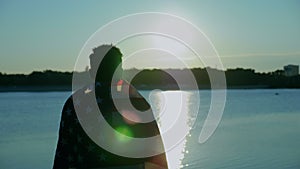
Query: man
<point x="75" y="149"/>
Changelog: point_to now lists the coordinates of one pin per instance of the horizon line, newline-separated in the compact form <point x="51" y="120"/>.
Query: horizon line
<point x="72" y="71"/>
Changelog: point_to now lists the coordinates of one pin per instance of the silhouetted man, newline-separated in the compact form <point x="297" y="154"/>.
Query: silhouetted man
<point x="75" y="149"/>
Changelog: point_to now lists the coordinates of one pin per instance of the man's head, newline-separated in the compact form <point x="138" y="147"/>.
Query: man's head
<point x="110" y="58"/>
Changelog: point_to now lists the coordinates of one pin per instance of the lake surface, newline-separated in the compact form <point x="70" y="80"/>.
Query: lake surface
<point x="259" y="129"/>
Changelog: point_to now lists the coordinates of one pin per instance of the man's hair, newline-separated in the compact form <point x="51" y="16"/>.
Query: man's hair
<point x="104" y="60"/>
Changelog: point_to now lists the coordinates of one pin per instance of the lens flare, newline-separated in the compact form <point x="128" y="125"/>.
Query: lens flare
<point x="126" y="134"/>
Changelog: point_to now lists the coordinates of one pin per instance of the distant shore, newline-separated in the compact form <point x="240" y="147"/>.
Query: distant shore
<point x="69" y="89"/>
<point x="239" y="78"/>
<point x="35" y="88"/>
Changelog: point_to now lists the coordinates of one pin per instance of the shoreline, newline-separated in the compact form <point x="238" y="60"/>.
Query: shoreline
<point x="35" y="89"/>
<point x="66" y="88"/>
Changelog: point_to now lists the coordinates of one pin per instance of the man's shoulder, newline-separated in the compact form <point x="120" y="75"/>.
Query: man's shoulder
<point x="75" y="96"/>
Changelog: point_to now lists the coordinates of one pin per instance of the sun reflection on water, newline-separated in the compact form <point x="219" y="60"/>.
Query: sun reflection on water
<point x="171" y="108"/>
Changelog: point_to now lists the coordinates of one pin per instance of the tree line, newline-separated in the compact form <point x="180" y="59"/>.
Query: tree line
<point x="157" y="78"/>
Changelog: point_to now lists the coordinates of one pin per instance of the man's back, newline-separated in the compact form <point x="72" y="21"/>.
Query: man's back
<point x="76" y="149"/>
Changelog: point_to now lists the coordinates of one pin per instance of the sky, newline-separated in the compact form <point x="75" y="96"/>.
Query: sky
<point x="40" y="35"/>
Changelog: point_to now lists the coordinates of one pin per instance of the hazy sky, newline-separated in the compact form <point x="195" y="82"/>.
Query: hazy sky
<point x="39" y="35"/>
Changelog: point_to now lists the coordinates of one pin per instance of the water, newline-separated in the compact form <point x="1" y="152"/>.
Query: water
<point x="258" y="130"/>
<point x="29" y="128"/>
